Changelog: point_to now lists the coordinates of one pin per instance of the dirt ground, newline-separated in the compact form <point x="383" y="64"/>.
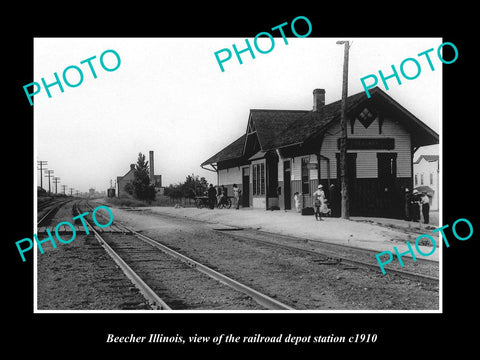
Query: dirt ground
<point x="81" y="276"/>
<point x="375" y="234"/>
<point x="294" y="278"/>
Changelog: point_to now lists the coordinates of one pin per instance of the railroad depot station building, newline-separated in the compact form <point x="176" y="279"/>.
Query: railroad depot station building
<point x="287" y="151"/>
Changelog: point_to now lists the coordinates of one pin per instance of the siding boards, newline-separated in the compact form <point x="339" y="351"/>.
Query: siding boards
<point x="371" y="199"/>
<point x="296" y="167"/>
<point x="367" y="159"/>
<point x="230" y="176"/>
<point x="296" y="187"/>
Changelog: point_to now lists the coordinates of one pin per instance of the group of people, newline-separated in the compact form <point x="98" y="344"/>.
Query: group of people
<point x="415" y="202"/>
<point x="220" y="194"/>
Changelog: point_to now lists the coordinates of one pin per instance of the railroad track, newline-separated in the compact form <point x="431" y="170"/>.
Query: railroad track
<point x="328" y="253"/>
<point x="50" y="213"/>
<point x="138" y="253"/>
<point x="333" y="254"/>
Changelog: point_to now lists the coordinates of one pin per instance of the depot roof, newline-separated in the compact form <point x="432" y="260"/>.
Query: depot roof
<point x="281" y="128"/>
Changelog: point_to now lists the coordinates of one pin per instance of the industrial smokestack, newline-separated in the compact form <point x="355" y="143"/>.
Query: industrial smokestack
<point x="152" y="172"/>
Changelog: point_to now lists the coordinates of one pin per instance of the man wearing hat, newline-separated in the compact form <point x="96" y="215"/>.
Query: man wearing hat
<point x="211" y="196"/>
<point x="318" y="200"/>
<point x="425" y="203"/>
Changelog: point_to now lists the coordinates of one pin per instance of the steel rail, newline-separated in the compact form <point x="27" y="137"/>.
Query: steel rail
<point x="341" y="259"/>
<point x="154" y="300"/>
<point x="260" y="298"/>
<point x="297" y="239"/>
<point x="327" y="243"/>
<point x="55" y="207"/>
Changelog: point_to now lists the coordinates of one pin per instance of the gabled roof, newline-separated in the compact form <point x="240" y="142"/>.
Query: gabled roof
<point x="272" y="126"/>
<point x="128" y="174"/>
<point x="312" y="123"/>
<point x="429" y="158"/>
<point x="280" y="128"/>
<point x="232" y="151"/>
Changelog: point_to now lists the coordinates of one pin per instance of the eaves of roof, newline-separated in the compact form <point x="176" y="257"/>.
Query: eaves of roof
<point x="280" y="128"/>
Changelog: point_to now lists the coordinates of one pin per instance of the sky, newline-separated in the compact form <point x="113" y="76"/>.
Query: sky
<point x="170" y="96"/>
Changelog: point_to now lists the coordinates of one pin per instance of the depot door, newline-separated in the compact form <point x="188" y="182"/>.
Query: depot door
<point x="287" y="193"/>
<point x="245" y="186"/>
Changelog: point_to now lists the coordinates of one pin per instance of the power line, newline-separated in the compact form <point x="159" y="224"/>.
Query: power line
<point x="49" y="175"/>
<point x="40" y="164"/>
<point x="56" y="180"/>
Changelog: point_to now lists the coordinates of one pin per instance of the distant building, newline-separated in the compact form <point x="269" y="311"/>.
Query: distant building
<point x="426" y="175"/>
<point x="157" y="181"/>
<point x="122" y="181"/>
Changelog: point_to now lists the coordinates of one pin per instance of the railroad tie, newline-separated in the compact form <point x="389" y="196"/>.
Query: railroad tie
<point x="62" y="229"/>
<point x="79" y="229"/>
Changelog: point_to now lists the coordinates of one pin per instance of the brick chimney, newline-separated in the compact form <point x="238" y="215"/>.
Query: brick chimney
<point x="318" y="99"/>
<point x="152" y="171"/>
<point x="132" y="166"/>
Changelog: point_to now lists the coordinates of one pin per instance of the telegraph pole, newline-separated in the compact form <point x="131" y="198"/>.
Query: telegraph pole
<point x="49" y="175"/>
<point x="71" y="190"/>
<point x="56" y="180"/>
<point x="40" y="164"/>
<point x="343" y="139"/>
<point x="64" y="187"/>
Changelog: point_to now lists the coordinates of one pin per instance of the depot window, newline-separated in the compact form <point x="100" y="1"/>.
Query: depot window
<point x="258" y="179"/>
<point x="305" y="176"/>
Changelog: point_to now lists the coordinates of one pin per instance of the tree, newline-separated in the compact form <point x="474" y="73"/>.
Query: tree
<point x="140" y="186"/>
<point x="192" y="186"/>
<point x="173" y="191"/>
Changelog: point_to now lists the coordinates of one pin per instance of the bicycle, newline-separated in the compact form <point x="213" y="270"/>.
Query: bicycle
<point x="225" y="202"/>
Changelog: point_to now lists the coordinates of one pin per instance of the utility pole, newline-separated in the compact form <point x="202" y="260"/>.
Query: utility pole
<point x="343" y="139"/>
<point x="40" y="164"/>
<point x="56" y="180"/>
<point x="64" y="187"/>
<point x="49" y="175"/>
<point x="71" y="190"/>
